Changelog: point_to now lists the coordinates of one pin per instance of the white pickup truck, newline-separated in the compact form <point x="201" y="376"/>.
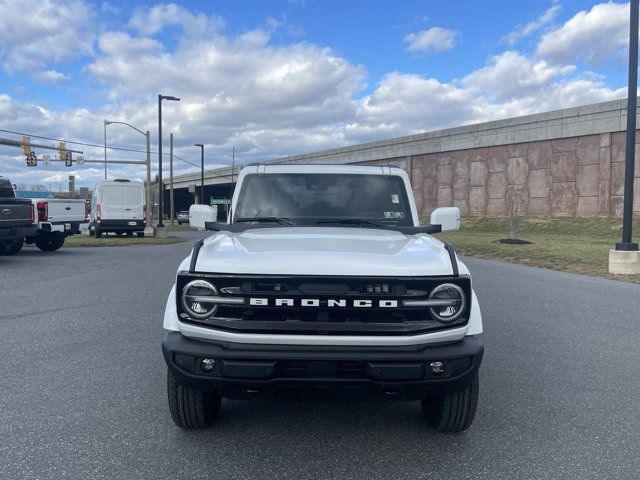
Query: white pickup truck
<point x="55" y="219"/>
<point x="323" y="282"/>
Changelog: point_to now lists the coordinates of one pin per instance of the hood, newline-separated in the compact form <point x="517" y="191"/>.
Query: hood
<point x="324" y="251"/>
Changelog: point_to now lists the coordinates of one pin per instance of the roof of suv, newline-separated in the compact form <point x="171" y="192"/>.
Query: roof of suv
<point x="324" y="168"/>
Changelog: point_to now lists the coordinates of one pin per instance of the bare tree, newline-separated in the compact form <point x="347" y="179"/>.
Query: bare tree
<point x="514" y="213"/>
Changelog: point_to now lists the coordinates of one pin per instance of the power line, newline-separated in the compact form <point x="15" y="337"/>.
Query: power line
<point x="93" y="145"/>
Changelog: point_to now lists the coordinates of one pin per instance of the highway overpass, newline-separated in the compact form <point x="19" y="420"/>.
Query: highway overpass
<point x="563" y="163"/>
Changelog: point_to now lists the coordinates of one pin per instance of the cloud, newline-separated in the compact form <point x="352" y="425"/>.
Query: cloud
<point x="150" y="21"/>
<point x="543" y="20"/>
<point x="510" y="84"/>
<point x="36" y="33"/>
<point x="51" y="76"/>
<point x="593" y="36"/>
<point x="435" y="39"/>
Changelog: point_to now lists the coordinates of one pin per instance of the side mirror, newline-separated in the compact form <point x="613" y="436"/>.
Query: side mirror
<point x="200" y="214"/>
<point x="447" y="217"/>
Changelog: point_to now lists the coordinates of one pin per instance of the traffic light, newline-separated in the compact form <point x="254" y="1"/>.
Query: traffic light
<point x="32" y="160"/>
<point x="68" y="161"/>
<point x="62" y="148"/>
<point x="26" y="145"/>
<point x="80" y="160"/>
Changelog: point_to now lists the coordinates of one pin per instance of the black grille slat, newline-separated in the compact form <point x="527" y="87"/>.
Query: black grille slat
<point x="300" y="369"/>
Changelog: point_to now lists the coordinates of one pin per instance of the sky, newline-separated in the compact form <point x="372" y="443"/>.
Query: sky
<point x="283" y="77"/>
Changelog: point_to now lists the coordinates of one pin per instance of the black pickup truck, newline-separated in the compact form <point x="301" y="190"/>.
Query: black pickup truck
<point x="16" y="219"/>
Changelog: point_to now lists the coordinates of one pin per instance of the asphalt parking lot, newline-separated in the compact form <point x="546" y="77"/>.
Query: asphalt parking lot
<point x="83" y="385"/>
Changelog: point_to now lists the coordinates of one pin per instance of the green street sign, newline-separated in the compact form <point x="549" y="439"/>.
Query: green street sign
<point x="220" y="201"/>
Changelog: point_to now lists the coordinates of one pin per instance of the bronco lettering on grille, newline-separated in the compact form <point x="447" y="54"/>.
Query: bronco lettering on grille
<point x="316" y="302"/>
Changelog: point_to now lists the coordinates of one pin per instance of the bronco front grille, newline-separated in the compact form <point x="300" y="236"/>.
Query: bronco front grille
<point x="322" y="305"/>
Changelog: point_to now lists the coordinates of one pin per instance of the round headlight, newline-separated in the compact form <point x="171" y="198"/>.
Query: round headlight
<point x="194" y="299"/>
<point x="452" y="302"/>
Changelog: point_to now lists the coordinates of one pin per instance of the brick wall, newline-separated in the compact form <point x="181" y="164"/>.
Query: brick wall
<point x="578" y="176"/>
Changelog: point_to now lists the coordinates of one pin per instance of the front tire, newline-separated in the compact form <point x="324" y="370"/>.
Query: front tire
<point x="50" y="243"/>
<point x="140" y="234"/>
<point x="453" y="412"/>
<point x="13" y="248"/>
<point x="191" y="409"/>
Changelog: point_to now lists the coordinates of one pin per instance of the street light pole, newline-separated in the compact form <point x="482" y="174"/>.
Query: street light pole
<point x="627" y="216"/>
<point x="148" y="163"/>
<point x="625" y="257"/>
<point x="160" y="185"/>
<point x="201" y="172"/>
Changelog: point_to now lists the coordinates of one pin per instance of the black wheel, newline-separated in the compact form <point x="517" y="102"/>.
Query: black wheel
<point x="49" y="243"/>
<point x="191" y="409"/>
<point x="129" y="234"/>
<point x="13" y="248"/>
<point x="453" y="412"/>
<point x="140" y="234"/>
<point x="97" y="232"/>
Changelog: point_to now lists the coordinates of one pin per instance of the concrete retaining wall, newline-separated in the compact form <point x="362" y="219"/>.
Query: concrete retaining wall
<point x="577" y="176"/>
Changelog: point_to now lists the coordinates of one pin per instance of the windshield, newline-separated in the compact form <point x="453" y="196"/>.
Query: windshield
<point x="312" y="197"/>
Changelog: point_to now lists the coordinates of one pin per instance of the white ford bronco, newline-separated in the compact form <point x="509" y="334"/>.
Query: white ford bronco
<point x="323" y="284"/>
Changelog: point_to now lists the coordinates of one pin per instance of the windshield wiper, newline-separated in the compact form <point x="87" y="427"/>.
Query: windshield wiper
<point x="280" y="220"/>
<point x="354" y="221"/>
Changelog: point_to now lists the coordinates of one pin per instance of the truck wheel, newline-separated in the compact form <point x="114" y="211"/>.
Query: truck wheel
<point x="140" y="234"/>
<point x="129" y="234"/>
<point x="97" y="232"/>
<point x="49" y="243"/>
<point x="452" y="412"/>
<point x="191" y="409"/>
<point x="13" y="248"/>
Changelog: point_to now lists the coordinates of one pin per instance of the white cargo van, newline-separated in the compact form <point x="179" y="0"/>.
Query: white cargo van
<point x="118" y="206"/>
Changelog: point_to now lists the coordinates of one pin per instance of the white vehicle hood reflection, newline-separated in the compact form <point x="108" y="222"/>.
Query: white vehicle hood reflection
<point x="323" y="251"/>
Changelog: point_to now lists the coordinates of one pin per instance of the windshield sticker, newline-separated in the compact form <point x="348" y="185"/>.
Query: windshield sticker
<point x="395" y="198"/>
<point x="393" y="215"/>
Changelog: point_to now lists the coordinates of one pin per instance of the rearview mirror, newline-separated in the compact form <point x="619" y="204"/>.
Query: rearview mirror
<point x="200" y="214"/>
<point x="447" y="217"/>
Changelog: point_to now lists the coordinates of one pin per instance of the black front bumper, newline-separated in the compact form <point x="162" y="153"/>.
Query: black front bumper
<point x="249" y="371"/>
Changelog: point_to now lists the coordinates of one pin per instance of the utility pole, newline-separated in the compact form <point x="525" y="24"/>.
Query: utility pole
<point x="105" y="148"/>
<point x="233" y="166"/>
<point x="148" y="191"/>
<point x="171" y="207"/>
<point x="201" y="172"/>
<point x="626" y="257"/>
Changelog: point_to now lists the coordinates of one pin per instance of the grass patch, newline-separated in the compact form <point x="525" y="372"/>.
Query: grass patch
<point x="115" y="241"/>
<point x="579" y="245"/>
<point x="179" y="228"/>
